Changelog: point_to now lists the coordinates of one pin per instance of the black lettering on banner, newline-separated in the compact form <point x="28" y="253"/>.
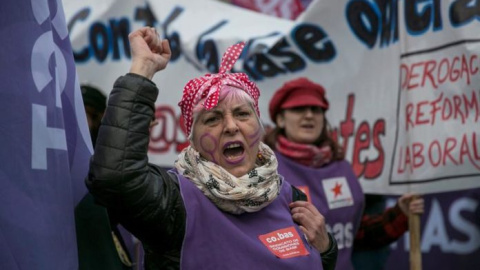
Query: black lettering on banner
<point x="103" y="38"/>
<point x="420" y="15"/>
<point x="308" y="37"/>
<point x="145" y="14"/>
<point x="99" y="40"/>
<point x="113" y="36"/>
<point x="281" y="58"/>
<point x="464" y="11"/>
<point x="120" y="29"/>
<point x="389" y="11"/>
<point x="250" y="61"/>
<point x="266" y="67"/>
<point x="267" y="61"/>
<point x="207" y="52"/>
<point x="294" y="62"/>
<point x="249" y="67"/>
<point x="372" y="20"/>
<point x="81" y="15"/>
<point x="357" y="11"/>
<point x="174" y="37"/>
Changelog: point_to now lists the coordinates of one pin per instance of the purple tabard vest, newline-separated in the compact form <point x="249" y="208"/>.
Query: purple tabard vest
<point x="218" y="240"/>
<point x="337" y="194"/>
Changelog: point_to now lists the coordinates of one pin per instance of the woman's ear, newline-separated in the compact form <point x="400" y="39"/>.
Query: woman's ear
<point x="280" y="119"/>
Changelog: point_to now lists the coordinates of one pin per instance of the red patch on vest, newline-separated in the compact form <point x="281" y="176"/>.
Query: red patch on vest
<point x="284" y="243"/>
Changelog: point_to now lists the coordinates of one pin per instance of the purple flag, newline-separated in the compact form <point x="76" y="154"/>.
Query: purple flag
<point x="45" y="143"/>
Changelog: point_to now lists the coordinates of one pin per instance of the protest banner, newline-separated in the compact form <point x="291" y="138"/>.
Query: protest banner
<point x="402" y="77"/>
<point x="400" y="91"/>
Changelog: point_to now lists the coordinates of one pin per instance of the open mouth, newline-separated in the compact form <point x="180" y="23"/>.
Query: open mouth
<point x="233" y="152"/>
<point x="307" y="126"/>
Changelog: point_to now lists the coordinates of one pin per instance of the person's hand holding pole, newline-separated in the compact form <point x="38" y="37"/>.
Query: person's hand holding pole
<point x="413" y="206"/>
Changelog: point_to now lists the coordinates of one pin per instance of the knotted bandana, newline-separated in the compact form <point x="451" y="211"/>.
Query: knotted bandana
<point x="209" y="86"/>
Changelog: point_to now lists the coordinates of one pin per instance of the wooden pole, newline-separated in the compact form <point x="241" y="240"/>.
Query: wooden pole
<point x="415" y="251"/>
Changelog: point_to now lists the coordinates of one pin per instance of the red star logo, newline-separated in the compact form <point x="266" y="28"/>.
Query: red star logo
<point x="337" y="190"/>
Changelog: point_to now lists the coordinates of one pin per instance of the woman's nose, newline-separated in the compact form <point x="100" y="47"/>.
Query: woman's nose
<point x="309" y="111"/>
<point x="231" y="126"/>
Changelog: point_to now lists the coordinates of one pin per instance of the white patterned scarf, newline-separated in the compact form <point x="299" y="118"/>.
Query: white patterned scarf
<point x="236" y="195"/>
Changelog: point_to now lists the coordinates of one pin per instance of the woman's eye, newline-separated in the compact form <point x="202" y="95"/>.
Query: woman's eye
<point x="298" y="109"/>
<point x="244" y="114"/>
<point x="317" y="109"/>
<point x="209" y="120"/>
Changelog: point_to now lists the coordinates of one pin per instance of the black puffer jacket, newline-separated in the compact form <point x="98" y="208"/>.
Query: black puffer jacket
<point x="145" y="197"/>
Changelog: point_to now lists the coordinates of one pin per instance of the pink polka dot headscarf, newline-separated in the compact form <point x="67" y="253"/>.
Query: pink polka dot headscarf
<point x="208" y="87"/>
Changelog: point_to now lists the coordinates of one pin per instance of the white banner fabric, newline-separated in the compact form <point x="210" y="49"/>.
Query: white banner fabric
<point x="402" y="79"/>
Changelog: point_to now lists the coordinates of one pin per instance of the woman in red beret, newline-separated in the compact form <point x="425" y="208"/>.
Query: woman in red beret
<point x="310" y="159"/>
<point x="224" y="205"/>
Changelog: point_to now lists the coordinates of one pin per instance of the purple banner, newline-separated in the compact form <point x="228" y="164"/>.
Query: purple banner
<point x="45" y="143"/>
<point x="450" y="233"/>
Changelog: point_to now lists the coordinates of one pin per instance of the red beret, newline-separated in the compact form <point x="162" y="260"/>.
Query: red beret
<point x="297" y="93"/>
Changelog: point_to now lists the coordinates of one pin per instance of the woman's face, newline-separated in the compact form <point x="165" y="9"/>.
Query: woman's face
<point x="228" y="135"/>
<point x="302" y="124"/>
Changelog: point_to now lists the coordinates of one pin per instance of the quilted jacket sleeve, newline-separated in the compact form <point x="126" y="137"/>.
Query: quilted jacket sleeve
<point x="145" y="198"/>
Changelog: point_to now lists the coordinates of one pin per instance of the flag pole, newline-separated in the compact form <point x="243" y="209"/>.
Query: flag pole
<point x="415" y="251"/>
